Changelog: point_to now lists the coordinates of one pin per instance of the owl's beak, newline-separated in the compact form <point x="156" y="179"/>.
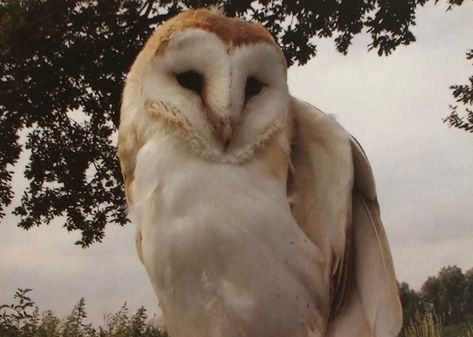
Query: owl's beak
<point x="224" y="131"/>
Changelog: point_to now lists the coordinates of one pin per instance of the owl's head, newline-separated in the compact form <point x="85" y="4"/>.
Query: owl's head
<point x="219" y="82"/>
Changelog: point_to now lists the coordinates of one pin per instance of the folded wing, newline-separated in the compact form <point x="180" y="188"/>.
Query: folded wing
<point x="333" y="198"/>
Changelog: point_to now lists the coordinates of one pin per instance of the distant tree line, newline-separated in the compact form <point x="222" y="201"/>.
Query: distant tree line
<point x="448" y="296"/>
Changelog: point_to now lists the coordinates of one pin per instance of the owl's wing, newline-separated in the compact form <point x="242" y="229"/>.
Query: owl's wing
<point x="128" y="145"/>
<point x="333" y="198"/>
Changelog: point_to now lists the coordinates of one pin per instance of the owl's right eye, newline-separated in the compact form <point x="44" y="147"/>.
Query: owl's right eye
<point x="190" y="80"/>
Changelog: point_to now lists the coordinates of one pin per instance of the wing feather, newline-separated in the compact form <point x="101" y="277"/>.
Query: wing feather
<point x="334" y="202"/>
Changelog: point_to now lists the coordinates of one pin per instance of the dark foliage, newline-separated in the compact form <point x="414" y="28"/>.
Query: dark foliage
<point x="448" y="295"/>
<point x="63" y="65"/>
<point x="464" y="96"/>
<point x="411" y="303"/>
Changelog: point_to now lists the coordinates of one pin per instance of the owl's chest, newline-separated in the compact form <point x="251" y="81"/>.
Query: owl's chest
<point x="174" y="182"/>
<point x="207" y="207"/>
<point x="221" y="265"/>
<point x="221" y="247"/>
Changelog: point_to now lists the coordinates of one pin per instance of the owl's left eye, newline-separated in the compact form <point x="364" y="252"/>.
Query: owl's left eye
<point x="253" y="87"/>
<point x="190" y="80"/>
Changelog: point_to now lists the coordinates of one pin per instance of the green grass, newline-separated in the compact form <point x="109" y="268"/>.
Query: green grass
<point x="430" y="325"/>
<point x="427" y="325"/>
<point x="23" y="319"/>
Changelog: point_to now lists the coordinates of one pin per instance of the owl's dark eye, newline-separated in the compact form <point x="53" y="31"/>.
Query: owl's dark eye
<point x="190" y="80"/>
<point x="253" y="87"/>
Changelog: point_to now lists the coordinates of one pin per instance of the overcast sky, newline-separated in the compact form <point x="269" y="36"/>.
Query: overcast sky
<point x="392" y="105"/>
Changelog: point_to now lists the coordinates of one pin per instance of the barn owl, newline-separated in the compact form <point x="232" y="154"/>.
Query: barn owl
<point x="256" y="213"/>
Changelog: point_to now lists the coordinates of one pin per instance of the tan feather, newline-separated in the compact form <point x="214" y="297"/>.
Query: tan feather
<point x="138" y="241"/>
<point x="235" y="32"/>
<point x="127" y="149"/>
